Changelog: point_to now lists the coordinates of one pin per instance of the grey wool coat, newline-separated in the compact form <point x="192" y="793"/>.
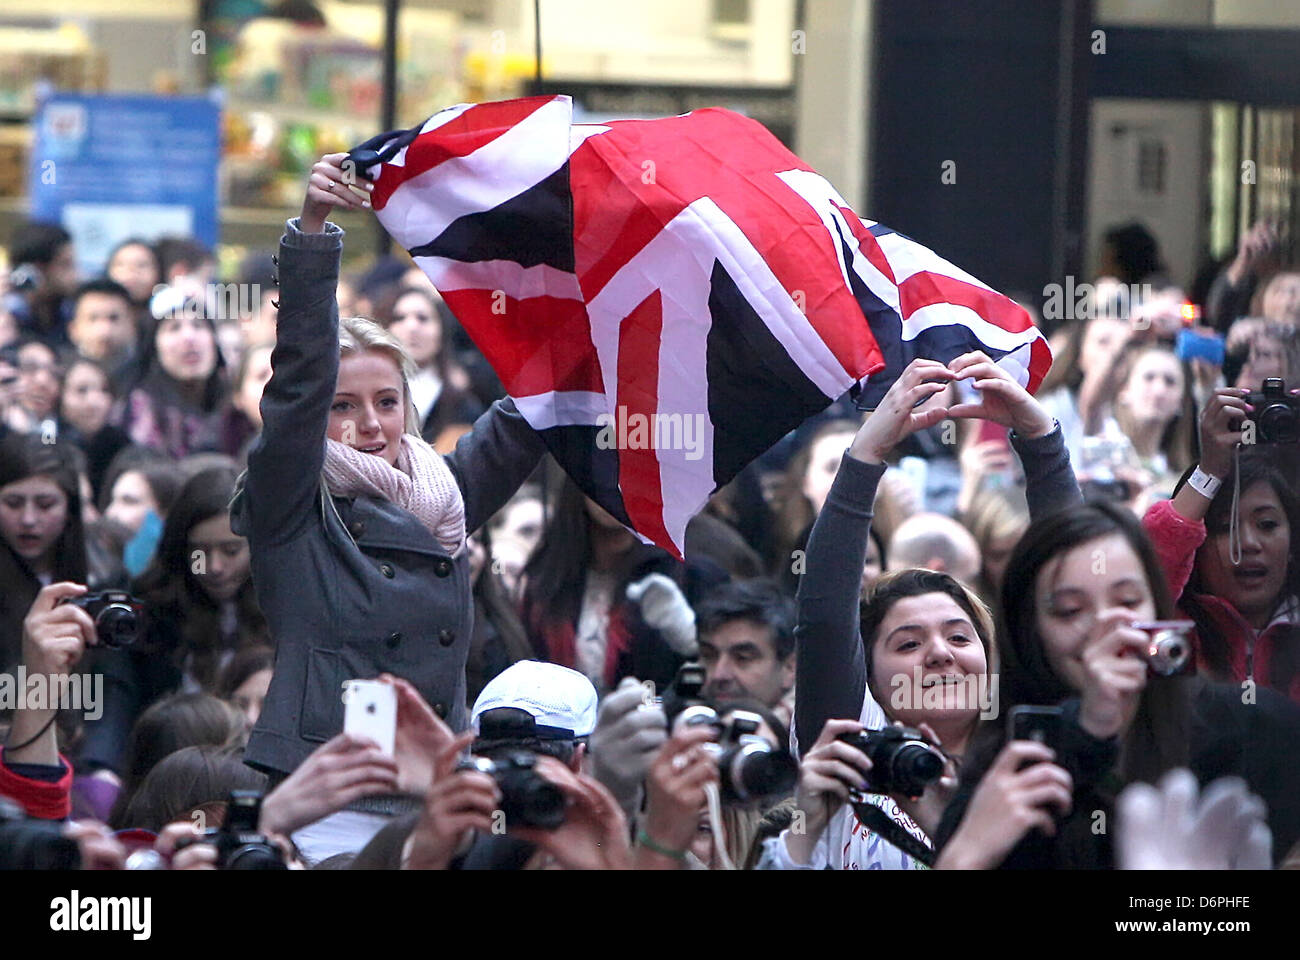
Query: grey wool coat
<point x="352" y="588"/>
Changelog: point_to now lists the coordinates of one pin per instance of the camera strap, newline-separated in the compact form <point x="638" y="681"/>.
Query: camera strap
<point x="880" y="823"/>
<point x="1234" y="521"/>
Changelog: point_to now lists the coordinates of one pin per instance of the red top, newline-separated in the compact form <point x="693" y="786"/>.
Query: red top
<point x="1250" y="653"/>
<point x="42" y="799"/>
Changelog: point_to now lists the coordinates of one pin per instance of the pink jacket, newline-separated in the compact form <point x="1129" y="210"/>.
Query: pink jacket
<point x="1176" y="540"/>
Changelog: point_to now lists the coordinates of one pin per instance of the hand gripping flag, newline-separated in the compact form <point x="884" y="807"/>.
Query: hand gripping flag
<point x="665" y="299"/>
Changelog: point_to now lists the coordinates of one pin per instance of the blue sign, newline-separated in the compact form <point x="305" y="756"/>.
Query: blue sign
<point x="112" y="167"/>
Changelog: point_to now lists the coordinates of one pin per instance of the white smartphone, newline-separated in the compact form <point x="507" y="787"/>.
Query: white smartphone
<point x="370" y="710"/>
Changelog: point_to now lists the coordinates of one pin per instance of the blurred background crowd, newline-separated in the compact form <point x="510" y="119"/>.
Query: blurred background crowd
<point x="135" y="401"/>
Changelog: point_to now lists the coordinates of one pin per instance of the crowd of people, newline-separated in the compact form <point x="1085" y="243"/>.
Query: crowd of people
<point x="295" y="497"/>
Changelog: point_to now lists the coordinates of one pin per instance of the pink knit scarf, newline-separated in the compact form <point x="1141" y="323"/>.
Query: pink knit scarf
<point x="421" y="482"/>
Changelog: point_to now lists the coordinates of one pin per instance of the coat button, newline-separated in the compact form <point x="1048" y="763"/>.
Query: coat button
<point x="356" y="528"/>
<point x="440" y="709"/>
<point x="393" y="639"/>
<point x="443" y="567"/>
<point x="446" y="637"/>
<point x="387" y="570"/>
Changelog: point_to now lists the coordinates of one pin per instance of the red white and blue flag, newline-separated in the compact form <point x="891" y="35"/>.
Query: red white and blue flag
<point x="665" y="299"/>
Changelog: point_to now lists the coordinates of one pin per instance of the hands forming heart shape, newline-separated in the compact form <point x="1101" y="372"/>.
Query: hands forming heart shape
<point x="907" y="407"/>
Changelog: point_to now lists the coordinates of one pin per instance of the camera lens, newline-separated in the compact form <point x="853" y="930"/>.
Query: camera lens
<point x="540" y="804"/>
<point x="117" y="625"/>
<point x="915" y="767"/>
<point x="255" y="856"/>
<point x="1278" y="423"/>
<point x="754" y="770"/>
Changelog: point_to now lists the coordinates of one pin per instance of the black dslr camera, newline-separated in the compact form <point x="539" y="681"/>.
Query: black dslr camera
<point x="751" y="768"/>
<point x="902" y="760"/>
<point x="1277" y="413"/>
<point x="527" y="798"/>
<point x="239" y="844"/>
<point x="118" y="616"/>
<point x="30" y="844"/>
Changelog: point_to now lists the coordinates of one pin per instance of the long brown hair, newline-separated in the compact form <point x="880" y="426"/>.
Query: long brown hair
<point x="1157" y="739"/>
<point x="173" y="596"/>
<point x="23" y="456"/>
<point x="1177" y="438"/>
<point x="794" y="514"/>
<point x="890" y="588"/>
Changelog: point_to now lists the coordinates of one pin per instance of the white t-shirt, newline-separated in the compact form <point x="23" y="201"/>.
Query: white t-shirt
<point x="846" y="844"/>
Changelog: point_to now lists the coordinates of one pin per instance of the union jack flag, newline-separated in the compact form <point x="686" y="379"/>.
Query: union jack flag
<point x="686" y="287"/>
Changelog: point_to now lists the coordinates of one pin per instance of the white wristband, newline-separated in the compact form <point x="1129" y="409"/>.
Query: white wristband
<point x="1204" y="484"/>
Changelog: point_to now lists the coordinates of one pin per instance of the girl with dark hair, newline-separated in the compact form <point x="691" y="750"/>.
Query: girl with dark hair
<point x="171" y="724"/>
<point x="1227" y="546"/>
<point x="1077" y="584"/>
<point x="35" y="405"/>
<point x="575" y="605"/>
<point x="176" y="398"/>
<point x="137" y="482"/>
<point x="199" y="608"/>
<point x="439" y="389"/>
<point x="802" y="490"/>
<point x="84" y="408"/>
<point x="135" y="265"/>
<point x="499" y="638"/>
<point x="245" y="679"/>
<point x="41" y="536"/>
<point x="920" y="648"/>
<point x="1074" y="391"/>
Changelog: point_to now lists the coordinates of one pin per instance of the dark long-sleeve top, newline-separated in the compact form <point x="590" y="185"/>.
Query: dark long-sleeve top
<point x="831" y="681"/>
<point x="1226" y="303"/>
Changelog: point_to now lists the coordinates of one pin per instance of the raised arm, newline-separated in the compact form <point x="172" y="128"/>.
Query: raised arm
<point x="1036" y="437"/>
<point x="831" y="679"/>
<point x="285" y="463"/>
<point x="493" y="459"/>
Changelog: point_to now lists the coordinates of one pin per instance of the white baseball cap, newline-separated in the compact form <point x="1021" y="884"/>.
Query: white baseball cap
<point x="562" y="701"/>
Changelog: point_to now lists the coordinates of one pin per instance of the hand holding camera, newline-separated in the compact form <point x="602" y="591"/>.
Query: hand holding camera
<point x="829" y="774"/>
<point x="903" y="760"/>
<point x="57" y="630"/>
<point x="1275" y="417"/>
<point x="1220" y="429"/>
<point x="751" y="767"/>
<point x="460" y="801"/>
<point x="675" y="789"/>
<point x="1115" y="672"/>
<point x="594" y="834"/>
<point x="117" y="616"/>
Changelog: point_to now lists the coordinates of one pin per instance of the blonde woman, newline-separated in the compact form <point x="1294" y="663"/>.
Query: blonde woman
<point x="356" y="526"/>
